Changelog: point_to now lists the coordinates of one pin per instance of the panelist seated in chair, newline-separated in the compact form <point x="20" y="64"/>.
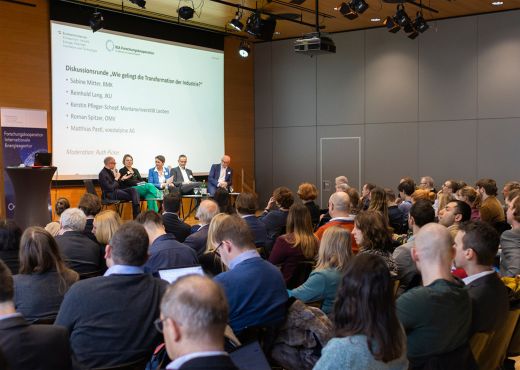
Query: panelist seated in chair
<point x="183" y="177"/>
<point x="159" y="175"/>
<point x="220" y="175"/>
<point x="146" y="190"/>
<point x="109" y="180"/>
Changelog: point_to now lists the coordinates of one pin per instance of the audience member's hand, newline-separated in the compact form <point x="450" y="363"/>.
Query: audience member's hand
<point x="271" y="203"/>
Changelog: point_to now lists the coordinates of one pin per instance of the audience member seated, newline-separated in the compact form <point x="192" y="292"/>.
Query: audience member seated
<point x="145" y="190"/>
<point x="491" y="210"/>
<point x="172" y="222"/>
<point x="223" y="199"/>
<point x="109" y="181"/>
<point x="110" y="318"/>
<point x="334" y="256"/>
<point x="455" y="213"/>
<point x="437" y="315"/>
<point x="61" y="205"/>
<point x="339" y="210"/>
<point x="308" y="193"/>
<point x="10" y="235"/>
<point x="368" y="334"/>
<point x="365" y="195"/>
<point x="396" y="218"/>
<point x="341" y="180"/>
<point x="159" y="175"/>
<point x="25" y="346"/>
<point x="470" y="196"/>
<point x="106" y="223"/>
<point x="420" y="214"/>
<point x="90" y="204"/>
<point x="210" y="260"/>
<point x="423" y="194"/>
<point x="372" y="234"/>
<point x="406" y="189"/>
<point x="299" y="244"/>
<point x="43" y="279"/>
<point x="194" y="314"/>
<point x="355" y="201"/>
<point x="476" y="245"/>
<point x="198" y="240"/>
<point x="254" y="287"/>
<point x="275" y="215"/>
<point x="80" y="253"/>
<point x="508" y="188"/>
<point x="378" y="201"/>
<point x="510" y="242"/>
<point x="165" y="252"/>
<point x="220" y="175"/>
<point x="246" y="205"/>
<point x="427" y="183"/>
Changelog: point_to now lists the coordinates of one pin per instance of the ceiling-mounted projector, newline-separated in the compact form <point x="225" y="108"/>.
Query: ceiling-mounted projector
<point x="314" y="44"/>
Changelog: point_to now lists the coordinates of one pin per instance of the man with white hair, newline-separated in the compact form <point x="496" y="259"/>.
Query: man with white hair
<point x="80" y="253"/>
<point x="205" y="213"/>
<point x="437" y="315"/>
<point x="220" y="175"/>
<point x="194" y="313"/>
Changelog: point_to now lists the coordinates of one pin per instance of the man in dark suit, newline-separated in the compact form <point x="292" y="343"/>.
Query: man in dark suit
<point x="183" y="177"/>
<point x="476" y="246"/>
<point x="110" y="318"/>
<point x="205" y="213"/>
<point x="80" y="253"/>
<point x="172" y="222"/>
<point x="109" y="179"/>
<point x="25" y="346"/>
<point x="164" y="252"/>
<point x="220" y="175"/>
<point x="194" y="314"/>
<point x="246" y="205"/>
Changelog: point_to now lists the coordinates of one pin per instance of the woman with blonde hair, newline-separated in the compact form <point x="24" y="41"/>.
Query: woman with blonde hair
<point x="209" y="260"/>
<point x="378" y="201"/>
<point x="106" y="223"/>
<point x="43" y="278"/>
<point x="333" y="257"/>
<point x="297" y="245"/>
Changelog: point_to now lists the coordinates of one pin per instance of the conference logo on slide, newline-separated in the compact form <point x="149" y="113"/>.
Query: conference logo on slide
<point x="110" y="45"/>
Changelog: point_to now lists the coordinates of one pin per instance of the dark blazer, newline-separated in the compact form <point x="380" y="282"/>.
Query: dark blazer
<point x="314" y="210"/>
<point x="197" y="241"/>
<point x="107" y="182"/>
<point x="166" y="253"/>
<point x="257" y="229"/>
<point x="490" y="303"/>
<point x="80" y="253"/>
<point x="214" y="174"/>
<point x="274" y="222"/>
<point x="35" y="347"/>
<point x="174" y="225"/>
<point x="177" y="175"/>
<point x="153" y="176"/>
<point x="209" y="363"/>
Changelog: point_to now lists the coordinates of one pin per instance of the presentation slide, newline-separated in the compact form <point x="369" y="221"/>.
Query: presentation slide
<point x="114" y="94"/>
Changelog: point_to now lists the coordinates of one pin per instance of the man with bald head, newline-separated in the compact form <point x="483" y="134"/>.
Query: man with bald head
<point x="109" y="180"/>
<point x="436" y="315"/>
<point x="220" y="175"/>
<point x="194" y="313"/>
<point x="339" y="210"/>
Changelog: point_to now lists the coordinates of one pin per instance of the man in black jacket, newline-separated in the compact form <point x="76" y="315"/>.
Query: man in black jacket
<point x="172" y="222"/>
<point x="25" y="346"/>
<point x="109" y="179"/>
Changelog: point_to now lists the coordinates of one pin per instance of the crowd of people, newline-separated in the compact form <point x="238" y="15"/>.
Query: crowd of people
<point x="388" y="281"/>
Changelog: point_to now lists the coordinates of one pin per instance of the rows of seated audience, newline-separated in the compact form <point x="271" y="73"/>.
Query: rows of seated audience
<point x="413" y="279"/>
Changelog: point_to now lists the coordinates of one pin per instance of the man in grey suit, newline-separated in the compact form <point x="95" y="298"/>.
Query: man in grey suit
<point x="183" y="177"/>
<point x="25" y="346"/>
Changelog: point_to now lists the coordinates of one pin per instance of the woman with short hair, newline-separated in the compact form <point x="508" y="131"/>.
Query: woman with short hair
<point x="43" y="278"/>
<point x="146" y="190"/>
<point x="308" y="193"/>
<point x="368" y="334"/>
<point x="159" y="175"/>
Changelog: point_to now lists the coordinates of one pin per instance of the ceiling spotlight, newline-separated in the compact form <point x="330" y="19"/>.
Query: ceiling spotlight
<point x="96" y="21"/>
<point x="139" y="3"/>
<point x="413" y="35"/>
<point x="408" y="28"/>
<point x="260" y="28"/>
<point x="359" y="6"/>
<point x="185" y="12"/>
<point x="420" y="24"/>
<point x="401" y="17"/>
<point x="348" y="10"/>
<point x="235" y="22"/>
<point x="391" y="25"/>
<point x="244" y="49"/>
